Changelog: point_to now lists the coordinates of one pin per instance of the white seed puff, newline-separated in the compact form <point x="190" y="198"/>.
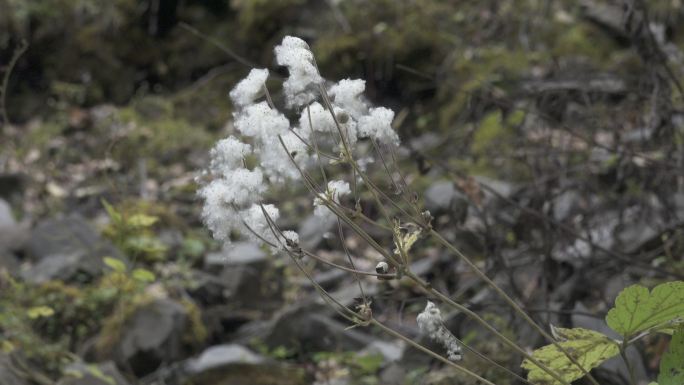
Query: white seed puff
<point x="430" y="323"/>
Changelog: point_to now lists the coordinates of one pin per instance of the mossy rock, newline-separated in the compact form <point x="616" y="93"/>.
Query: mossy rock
<point x="254" y="374"/>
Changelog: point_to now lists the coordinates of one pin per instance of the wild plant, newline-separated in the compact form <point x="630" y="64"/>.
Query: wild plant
<point x="336" y="132"/>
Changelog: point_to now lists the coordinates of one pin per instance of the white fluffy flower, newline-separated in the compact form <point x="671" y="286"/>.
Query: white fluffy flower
<point x="347" y="94"/>
<point x="261" y="121"/>
<point x="275" y="160"/>
<point x="232" y="199"/>
<point x="290" y="236"/>
<point x="378" y="125"/>
<point x="219" y="217"/>
<point x="238" y="187"/>
<point x="431" y="324"/>
<point x="335" y="190"/>
<point x="316" y="118"/>
<point x="227" y="155"/>
<point x="299" y="87"/>
<point x="258" y="223"/>
<point x="249" y="88"/>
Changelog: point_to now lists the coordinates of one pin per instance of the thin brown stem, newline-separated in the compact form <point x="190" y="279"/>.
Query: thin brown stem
<point x="510" y="301"/>
<point x="427" y="351"/>
<point x="436" y="293"/>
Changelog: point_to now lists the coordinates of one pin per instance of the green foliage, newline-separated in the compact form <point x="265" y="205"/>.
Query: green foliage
<point x="637" y="310"/>
<point x="132" y="231"/>
<point x="92" y="370"/>
<point x="672" y="363"/>
<point x="39" y="311"/>
<point x="143" y="275"/>
<point x="44" y="321"/>
<point x="362" y="368"/>
<point x="115" y="264"/>
<point x="588" y="347"/>
<point x="494" y="143"/>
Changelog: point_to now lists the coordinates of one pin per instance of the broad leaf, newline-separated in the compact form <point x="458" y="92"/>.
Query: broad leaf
<point x="141" y="220"/>
<point x="636" y="309"/>
<point x="115" y="264"/>
<point x="39" y="311"/>
<point x="143" y="275"/>
<point x="672" y="363"/>
<point x="587" y="347"/>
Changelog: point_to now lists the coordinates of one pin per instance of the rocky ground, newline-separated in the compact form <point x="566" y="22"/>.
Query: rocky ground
<point x="545" y="139"/>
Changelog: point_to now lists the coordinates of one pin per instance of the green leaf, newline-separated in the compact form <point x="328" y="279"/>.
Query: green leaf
<point x="369" y="363"/>
<point x="143" y="275"/>
<point x="588" y="347"/>
<point x="637" y="310"/>
<point x="672" y="363"/>
<point x="98" y="373"/>
<point x="115" y="264"/>
<point x="111" y="211"/>
<point x="39" y="311"/>
<point x="141" y="220"/>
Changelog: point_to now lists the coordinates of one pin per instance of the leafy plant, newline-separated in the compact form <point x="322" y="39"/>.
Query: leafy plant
<point x="638" y="312"/>
<point x="132" y="232"/>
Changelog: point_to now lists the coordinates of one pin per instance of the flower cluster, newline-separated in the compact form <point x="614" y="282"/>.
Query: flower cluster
<point x="233" y="199"/>
<point x="430" y="323"/>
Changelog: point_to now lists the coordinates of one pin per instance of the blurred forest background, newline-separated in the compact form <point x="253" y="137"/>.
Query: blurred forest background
<point x="546" y="137"/>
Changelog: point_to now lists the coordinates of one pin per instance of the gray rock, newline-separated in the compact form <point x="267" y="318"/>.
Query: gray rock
<point x="222" y="355"/>
<point x="250" y="280"/>
<point x="492" y="187"/>
<point x="95" y="374"/>
<point x="565" y="203"/>
<point x="234" y="364"/>
<point x="390" y="351"/>
<point x="443" y="198"/>
<point x="65" y="248"/>
<point x="6" y="216"/>
<point x="242" y="253"/>
<point x="394" y="374"/>
<point x="237" y="253"/>
<point x="12" y="238"/>
<point x="312" y="231"/>
<point x="307" y="328"/>
<point x="439" y="195"/>
<point x="8" y="373"/>
<point x="151" y="336"/>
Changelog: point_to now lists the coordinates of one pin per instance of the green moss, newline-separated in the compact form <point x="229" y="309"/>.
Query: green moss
<point x="197" y="332"/>
<point x="493" y="146"/>
<point x="584" y="40"/>
<point x="240" y="374"/>
<point x="156" y="133"/>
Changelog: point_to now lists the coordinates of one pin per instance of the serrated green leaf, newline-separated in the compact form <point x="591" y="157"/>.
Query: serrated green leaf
<point x="39" y="311"/>
<point x="115" y="264"/>
<point x="588" y="347"/>
<point x="143" y="275"/>
<point x="672" y="362"/>
<point x="141" y="220"/>
<point x="636" y="309"/>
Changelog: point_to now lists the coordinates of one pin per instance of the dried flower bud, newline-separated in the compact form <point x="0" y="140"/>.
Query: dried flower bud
<point x="382" y="267"/>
